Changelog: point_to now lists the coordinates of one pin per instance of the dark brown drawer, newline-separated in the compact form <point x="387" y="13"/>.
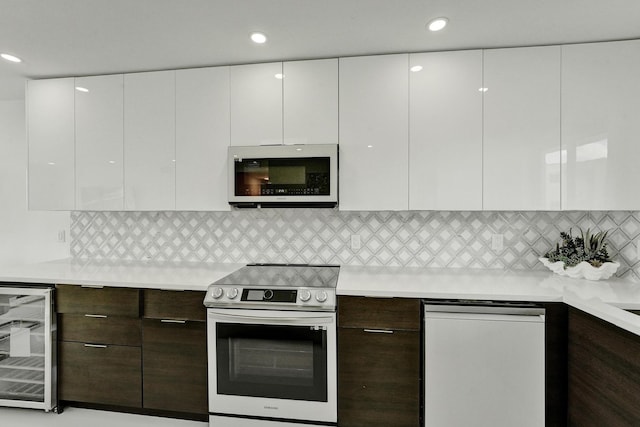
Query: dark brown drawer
<point x="175" y="366"/>
<point x="184" y="305"/>
<point x="379" y="313"/>
<point x="88" y="300"/>
<point x="90" y="328"/>
<point x="109" y="375"/>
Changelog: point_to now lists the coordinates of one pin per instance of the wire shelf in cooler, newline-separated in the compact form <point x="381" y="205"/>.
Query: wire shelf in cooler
<point x="24" y="313"/>
<point x="22" y="376"/>
<point x="21" y="391"/>
<point x="35" y="363"/>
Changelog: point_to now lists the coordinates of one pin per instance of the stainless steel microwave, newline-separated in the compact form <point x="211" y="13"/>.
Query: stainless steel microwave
<point x="283" y="176"/>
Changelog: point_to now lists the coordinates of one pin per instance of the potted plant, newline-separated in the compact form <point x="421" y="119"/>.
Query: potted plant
<point x="583" y="256"/>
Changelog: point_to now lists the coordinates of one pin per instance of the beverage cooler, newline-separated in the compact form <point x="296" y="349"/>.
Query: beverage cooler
<point x="27" y="347"/>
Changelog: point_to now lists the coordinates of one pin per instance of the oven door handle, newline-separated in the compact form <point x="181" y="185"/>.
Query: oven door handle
<point x="261" y="320"/>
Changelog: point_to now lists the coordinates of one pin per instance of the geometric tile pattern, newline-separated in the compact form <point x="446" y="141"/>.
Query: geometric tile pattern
<point x="323" y="236"/>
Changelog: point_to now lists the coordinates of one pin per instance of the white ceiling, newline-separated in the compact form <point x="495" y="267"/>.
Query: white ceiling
<point x="83" y="37"/>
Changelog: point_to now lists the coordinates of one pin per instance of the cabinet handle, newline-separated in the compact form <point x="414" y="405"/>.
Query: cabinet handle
<point x="378" y="331"/>
<point x="173" y="321"/>
<point x="96" y="316"/>
<point x="95" y="345"/>
<point x="92" y="286"/>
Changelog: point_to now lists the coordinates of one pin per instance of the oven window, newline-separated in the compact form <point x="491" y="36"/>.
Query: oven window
<point x="286" y="362"/>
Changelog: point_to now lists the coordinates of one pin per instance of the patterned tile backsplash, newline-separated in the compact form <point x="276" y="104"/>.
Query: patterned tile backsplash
<point x="424" y="238"/>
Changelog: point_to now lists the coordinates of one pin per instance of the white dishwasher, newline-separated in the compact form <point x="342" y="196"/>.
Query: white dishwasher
<point x="484" y="364"/>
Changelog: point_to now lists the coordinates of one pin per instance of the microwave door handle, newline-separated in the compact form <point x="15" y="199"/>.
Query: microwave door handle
<point x="272" y="320"/>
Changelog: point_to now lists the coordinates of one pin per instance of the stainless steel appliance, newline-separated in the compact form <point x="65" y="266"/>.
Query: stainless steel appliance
<point x="272" y="346"/>
<point x="484" y="364"/>
<point x="283" y="176"/>
<point x="27" y="347"/>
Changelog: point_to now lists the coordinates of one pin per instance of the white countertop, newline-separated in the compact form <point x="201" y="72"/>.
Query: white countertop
<point x="445" y="283"/>
<point x="606" y="299"/>
<point x="194" y="276"/>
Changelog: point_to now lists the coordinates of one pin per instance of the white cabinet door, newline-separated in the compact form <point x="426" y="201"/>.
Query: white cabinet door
<point x="202" y="139"/>
<point x="600" y="126"/>
<point x="445" y="131"/>
<point x="50" y="133"/>
<point x="256" y="104"/>
<point x="522" y="129"/>
<point x="311" y="102"/>
<point x="99" y="104"/>
<point x="149" y="141"/>
<point x="374" y="128"/>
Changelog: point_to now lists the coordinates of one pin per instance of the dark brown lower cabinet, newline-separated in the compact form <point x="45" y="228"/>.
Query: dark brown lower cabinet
<point x="105" y="374"/>
<point x="556" y="364"/>
<point x="174" y="364"/>
<point x="604" y="373"/>
<point x="378" y="380"/>
<point x="379" y="362"/>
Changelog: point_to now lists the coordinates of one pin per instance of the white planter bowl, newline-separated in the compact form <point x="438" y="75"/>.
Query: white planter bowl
<point x="584" y="270"/>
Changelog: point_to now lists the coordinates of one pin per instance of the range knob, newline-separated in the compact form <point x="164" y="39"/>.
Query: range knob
<point x="216" y="293"/>
<point x="305" y="295"/>
<point x="321" y="296"/>
<point x="268" y="294"/>
<point x="232" y="293"/>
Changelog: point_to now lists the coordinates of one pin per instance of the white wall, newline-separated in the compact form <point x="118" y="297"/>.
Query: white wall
<point x="24" y="236"/>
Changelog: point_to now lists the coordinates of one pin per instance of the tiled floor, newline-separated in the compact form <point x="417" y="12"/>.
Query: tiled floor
<point x="77" y="417"/>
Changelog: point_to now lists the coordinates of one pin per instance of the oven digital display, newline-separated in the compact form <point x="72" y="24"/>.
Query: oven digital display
<point x="254" y="295"/>
<point x="269" y="295"/>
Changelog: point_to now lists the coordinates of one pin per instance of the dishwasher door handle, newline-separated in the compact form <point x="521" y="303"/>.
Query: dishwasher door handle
<point x="460" y="315"/>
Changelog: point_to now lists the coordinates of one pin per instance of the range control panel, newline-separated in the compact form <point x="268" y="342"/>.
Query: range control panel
<point x="270" y="298"/>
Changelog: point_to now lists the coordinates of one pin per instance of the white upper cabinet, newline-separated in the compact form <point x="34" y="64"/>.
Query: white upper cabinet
<point x="202" y="139"/>
<point x="50" y="133"/>
<point x="522" y="129"/>
<point x="256" y="104"/>
<point x="374" y="132"/>
<point x="445" y="131"/>
<point x="99" y="123"/>
<point x="601" y="126"/>
<point x="311" y="102"/>
<point x="149" y="141"/>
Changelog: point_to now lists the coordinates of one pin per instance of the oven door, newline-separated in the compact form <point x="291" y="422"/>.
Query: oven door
<point x="274" y="364"/>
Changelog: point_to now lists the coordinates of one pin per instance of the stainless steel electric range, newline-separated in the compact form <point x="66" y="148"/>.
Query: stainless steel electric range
<point x="272" y="346"/>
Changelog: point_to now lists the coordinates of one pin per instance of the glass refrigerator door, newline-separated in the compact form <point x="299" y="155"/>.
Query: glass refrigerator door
<point x="25" y="347"/>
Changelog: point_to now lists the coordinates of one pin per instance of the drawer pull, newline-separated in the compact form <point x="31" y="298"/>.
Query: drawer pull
<point x="378" y="331"/>
<point x="95" y="345"/>
<point x="92" y="286"/>
<point x="173" y="321"/>
<point x="96" y="316"/>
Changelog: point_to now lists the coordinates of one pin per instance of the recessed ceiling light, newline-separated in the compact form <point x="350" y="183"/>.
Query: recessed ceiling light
<point x="259" y="38"/>
<point x="437" y="24"/>
<point x="416" y="68"/>
<point x="279" y="76"/>
<point x="82" y="89"/>
<point x="483" y="89"/>
<point x="10" y="57"/>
